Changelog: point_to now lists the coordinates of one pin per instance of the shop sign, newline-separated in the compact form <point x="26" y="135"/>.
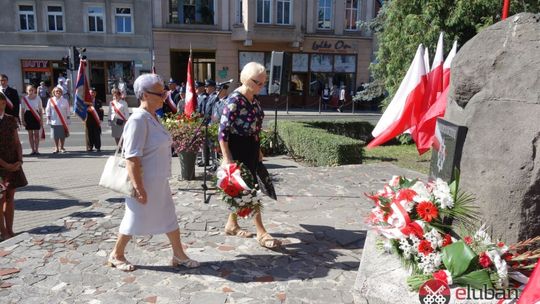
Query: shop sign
<point x="325" y="45"/>
<point x="35" y="65"/>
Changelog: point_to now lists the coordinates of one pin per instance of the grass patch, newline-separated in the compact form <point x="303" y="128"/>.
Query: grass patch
<point x="404" y="156"/>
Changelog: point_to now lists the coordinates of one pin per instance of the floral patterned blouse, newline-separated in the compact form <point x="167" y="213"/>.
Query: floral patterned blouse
<point x="240" y="117"/>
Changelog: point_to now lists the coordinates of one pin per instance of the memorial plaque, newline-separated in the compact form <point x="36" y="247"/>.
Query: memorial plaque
<point x="446" y="152"/>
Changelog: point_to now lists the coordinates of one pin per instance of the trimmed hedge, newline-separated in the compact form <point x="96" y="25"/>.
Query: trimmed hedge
<point x="349" y="128"/>
<point x="317" y="146"/>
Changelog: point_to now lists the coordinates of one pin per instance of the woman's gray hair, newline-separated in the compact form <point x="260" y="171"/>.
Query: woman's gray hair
<point x="251" y="70"/>
<point x="144" y="82"/>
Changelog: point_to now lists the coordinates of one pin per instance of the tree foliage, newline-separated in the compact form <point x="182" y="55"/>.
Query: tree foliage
<point x="403" y="24"/>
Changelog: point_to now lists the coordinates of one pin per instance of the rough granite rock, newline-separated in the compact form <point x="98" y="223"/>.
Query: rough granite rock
<point x="495" y="92"/>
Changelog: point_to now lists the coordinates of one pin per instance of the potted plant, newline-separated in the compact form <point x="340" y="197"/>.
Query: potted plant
<point x="187" y="135"/>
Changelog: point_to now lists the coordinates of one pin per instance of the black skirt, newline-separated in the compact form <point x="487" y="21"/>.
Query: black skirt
<point x="245" y="149"/>
<point x="31" y="122"/>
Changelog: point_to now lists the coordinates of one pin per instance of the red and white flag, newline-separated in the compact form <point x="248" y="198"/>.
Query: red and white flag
<point x="191" y="97"/>
<point x="408" y="104"/>
<point x="531" y="293"/>
<point x="426" y="128"/>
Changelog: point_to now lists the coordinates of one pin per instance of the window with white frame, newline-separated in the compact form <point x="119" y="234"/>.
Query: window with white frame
<point x="284" y="12"/>
<point x="325" y="14"/>
<point x="96" y="19"/>
<point x="123" y="20"/>
<point x="352" y="15"/>
<point x="239" y="15"/>
<point x="264" y="8"/>
<point x="27" y="18"/>
<point x="55" y="18"/>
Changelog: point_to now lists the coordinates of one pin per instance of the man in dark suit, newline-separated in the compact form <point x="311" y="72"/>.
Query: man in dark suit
<point x="12" y="95"/>
<point x="93" y="123"/>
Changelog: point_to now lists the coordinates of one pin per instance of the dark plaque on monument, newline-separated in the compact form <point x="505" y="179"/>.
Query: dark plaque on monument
<point x="446" y="152"/>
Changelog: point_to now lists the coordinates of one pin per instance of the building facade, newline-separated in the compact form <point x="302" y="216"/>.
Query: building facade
<point x="328" y="45"/>
<point x="37" y="36"/>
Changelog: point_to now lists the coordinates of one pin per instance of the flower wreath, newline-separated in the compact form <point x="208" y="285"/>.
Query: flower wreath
<point x="238" y="189"/>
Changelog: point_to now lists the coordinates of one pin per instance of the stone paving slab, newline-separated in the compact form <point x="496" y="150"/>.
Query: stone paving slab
<point x="319" y="215"/>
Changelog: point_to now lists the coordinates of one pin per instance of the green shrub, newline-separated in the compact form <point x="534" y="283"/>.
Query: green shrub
<point x="317" y="146"/>
<point x="349" y="128"/>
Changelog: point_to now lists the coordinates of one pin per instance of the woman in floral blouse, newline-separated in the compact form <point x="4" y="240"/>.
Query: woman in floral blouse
<point x="240" y="125"/>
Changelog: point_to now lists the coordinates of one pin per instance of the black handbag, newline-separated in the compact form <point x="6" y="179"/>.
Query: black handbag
<point x="265" y="181"/>
<point x="119" y="122"/>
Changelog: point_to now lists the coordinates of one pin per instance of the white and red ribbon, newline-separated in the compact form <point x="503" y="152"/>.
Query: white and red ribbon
<point x="229" y="179"/>
<point x="64" y="124"/>
<point x="401" y="224"/>
<point x="118" y="111"/>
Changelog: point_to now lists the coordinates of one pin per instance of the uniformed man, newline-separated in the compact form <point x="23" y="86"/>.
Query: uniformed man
<point x="200" y="90"/>
<point x="13" y="105"/>
<point x="93" y="123"/>
<point x="174" y="92"/>
<point x="180" y="100"/>
<point x="204" y="108"/>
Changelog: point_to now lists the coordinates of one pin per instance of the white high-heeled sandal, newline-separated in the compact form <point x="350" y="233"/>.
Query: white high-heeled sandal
<point x="120" y="265"/>
<point x="189" y="263"/>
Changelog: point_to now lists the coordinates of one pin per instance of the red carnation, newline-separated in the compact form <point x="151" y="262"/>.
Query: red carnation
<point x="484" y="260"/>
<point x="244" y="212"/>
<point x="447" y="240"/>
<point x="425" y="247"/>
<point x="468" y="240"/>
<point x="427" y="211"/>
<point x="441" y="276"/>
<point x="406" y="194"/>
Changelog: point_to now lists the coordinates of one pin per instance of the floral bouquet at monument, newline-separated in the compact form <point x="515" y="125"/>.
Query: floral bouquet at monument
<point x="238" y="189"/>
<point x="414" y="219"/>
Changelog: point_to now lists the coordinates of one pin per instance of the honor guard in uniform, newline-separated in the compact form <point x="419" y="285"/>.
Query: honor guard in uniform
<point x="92" y="123"/>
<point x="201" y="96"/>
<point x="180" y="100"/>
<point x="13" y="102"/>
<point x="205" y="109"/>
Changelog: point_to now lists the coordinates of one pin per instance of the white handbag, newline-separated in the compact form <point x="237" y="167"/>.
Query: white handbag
<point x="115" y="175"/>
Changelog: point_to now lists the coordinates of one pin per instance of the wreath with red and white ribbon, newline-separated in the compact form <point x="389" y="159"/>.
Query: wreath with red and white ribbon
<point x="236" y="184"/>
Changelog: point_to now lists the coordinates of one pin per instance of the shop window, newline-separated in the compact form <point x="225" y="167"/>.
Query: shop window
<point x="321" y="63"/>
<point x="96" y="17"/>
<point x="344" y="63"/>
<point x="55" y="17"/>
<point x="191" y="11"/>
<point x="325" y="14"/>
<point x="123" y="20"/>
<point x="27" y="18"/>
<point x="284" y="12"/>
<point x="264" y="9"/>
<point x="352" y="15"/>
<point x="120" y="76"/>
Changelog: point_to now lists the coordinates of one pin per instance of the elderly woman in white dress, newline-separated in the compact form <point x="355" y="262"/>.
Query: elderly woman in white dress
<point x="147" y="148"/>
<point x="118" y="114"/>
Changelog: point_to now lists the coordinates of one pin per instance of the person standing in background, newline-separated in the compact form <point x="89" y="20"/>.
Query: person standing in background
<point x="43" y="93"/>
<point x="31" y="116"/>
<point x="118" y="114"/>
<point x="342" y="93"/>
<point x="58" y="113"/>
<point x="12" y="97"/>
<point x="93" y="123"/>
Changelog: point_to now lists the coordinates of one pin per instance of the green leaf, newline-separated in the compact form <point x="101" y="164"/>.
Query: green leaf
<point x="476" y="279"/>
<point x="457" y="258"/>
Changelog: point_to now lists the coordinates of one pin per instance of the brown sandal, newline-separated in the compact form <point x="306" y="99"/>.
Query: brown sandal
<point x="239" y="232"/>
<point x="267" y="241"/>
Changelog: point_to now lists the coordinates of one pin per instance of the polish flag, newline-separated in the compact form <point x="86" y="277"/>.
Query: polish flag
<point x="436" y="74"/>
<point x="408" y="104"/>
<point x="531" y="293"/>
<point x="426" y="128"/>
<point x="191" y="97"/>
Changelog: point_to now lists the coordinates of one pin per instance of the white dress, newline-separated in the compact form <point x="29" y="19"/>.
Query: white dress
<point x="146" y="138"/>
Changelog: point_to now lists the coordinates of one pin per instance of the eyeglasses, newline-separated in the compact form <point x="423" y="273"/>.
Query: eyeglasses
<point x="259" y="83"/>
<point x="162" y="94"/>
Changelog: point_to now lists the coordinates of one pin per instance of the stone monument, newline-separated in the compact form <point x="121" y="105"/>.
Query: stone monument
<point x="495" y="93"/>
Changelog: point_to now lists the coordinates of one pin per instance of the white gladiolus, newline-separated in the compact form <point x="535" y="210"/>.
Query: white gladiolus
<point x="394" y="182"/>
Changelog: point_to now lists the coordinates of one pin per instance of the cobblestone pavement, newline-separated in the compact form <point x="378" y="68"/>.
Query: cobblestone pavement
<point x="319" y="216"/>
